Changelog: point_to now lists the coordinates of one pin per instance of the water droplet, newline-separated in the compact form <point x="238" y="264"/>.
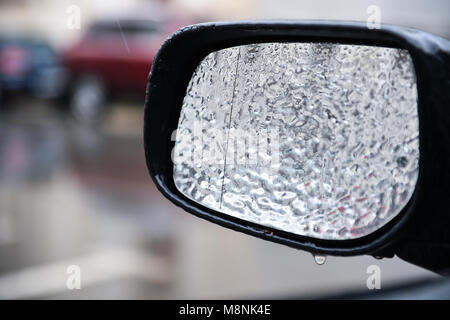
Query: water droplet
<point x="402" y="162"/>
<point x="320" y="260"/>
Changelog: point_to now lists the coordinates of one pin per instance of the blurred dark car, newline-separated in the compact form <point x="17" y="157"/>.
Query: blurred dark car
<point x="113" y="58"/>
<point x="29" y="66"/>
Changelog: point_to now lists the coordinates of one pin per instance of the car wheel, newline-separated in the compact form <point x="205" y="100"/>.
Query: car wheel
<point x="88" y="99"/>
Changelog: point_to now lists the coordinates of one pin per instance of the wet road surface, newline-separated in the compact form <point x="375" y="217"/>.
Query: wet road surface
<point x="77" y="195"/>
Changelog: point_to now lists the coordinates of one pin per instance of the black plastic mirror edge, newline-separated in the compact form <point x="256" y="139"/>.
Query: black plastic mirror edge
<point x="429" y="207"/>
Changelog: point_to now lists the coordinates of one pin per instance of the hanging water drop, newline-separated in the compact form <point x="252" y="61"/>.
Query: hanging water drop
<point x="320" y="260"/>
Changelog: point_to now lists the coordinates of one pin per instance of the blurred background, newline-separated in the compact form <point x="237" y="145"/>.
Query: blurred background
<point x="74" y="188"/>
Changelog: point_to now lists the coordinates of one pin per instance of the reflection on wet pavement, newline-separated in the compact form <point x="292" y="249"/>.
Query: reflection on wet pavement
<point x="73" y="195"/>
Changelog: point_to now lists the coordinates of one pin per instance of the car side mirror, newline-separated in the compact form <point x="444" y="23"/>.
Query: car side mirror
<point x="327" y="137"/>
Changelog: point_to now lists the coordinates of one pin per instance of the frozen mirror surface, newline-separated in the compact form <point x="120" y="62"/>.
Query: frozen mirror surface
<point x="317" y="139"/>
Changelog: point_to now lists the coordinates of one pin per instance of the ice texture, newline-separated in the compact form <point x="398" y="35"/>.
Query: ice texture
<point x="317" y="139"/>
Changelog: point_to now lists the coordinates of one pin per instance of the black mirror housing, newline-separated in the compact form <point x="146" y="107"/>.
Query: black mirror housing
<point x="420" y="233"/>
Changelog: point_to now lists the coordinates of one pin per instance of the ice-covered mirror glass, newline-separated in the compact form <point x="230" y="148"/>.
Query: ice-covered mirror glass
<point x="317" y="139"/>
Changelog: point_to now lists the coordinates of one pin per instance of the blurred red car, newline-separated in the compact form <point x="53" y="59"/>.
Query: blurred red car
<point x="113" y="57"/>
